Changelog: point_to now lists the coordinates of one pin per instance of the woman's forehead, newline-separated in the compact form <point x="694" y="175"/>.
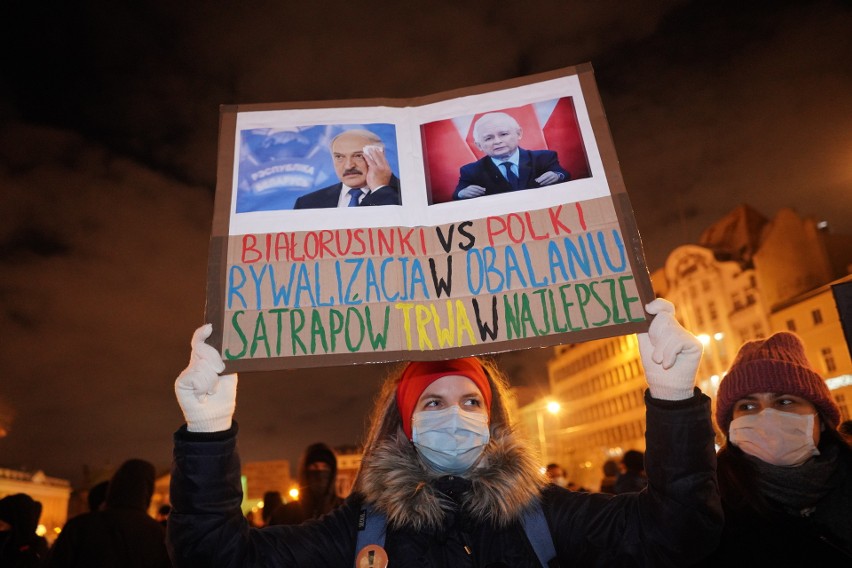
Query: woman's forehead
<point x="451" y="384"/>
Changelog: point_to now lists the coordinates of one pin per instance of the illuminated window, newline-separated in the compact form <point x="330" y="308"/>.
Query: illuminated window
<point x="844" y="409"/>
<point x="711" y="308"/>
<point x="828" y="358"/>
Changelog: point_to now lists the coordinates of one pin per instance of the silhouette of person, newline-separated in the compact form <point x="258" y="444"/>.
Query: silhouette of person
<point x="610" y="471"/>
<point x="119" y="535"/>
<point x="271" y="501"/>
<point x="633" y="477"/>
<point x="20" y="546"/>
<point x="317" y="488"/>
<point x="556" y="475"/>
<point x="97" y="495"/>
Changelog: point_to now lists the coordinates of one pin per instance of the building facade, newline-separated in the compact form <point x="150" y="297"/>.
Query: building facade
<point x="814" y="317"/>
<point x="53" y="494"/>
<point x="600" y="387"/>
<point x="745" y="279"/>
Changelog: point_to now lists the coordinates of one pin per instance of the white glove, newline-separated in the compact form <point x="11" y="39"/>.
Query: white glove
<point x="670" y="354"/>
<point x="206" y="399"/>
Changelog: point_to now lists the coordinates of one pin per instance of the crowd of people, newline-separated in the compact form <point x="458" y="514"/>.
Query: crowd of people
<point x="445" y="481"/>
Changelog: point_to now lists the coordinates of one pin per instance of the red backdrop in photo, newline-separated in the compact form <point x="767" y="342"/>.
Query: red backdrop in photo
<point x="446" y="149"/>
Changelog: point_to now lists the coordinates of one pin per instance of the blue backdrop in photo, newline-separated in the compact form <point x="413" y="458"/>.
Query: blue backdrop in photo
<point x="277" y="165"/>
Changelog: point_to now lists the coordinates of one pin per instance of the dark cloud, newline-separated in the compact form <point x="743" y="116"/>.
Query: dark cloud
<point x="107" y="164"/>
<point x="743" y="105"/>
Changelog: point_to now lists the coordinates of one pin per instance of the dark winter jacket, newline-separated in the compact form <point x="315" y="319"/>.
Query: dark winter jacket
<point x="458" y="522"/>
<point x="317" y="489"/>
<point x="122" y="535"/>
<point x="819" y="535"/>
<point x="630" y="482"/>
<point x="20" y="546"/>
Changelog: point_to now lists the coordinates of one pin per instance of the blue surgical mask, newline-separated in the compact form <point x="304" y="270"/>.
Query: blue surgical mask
<point x="450" y="440"/>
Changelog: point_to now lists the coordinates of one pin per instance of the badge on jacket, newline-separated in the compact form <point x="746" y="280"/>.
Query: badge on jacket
<point x="372" y="556"/>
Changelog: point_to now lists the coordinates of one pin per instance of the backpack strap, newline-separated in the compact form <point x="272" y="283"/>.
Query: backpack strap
<point x="538" y="533"/>
<point x="372" y="530"/>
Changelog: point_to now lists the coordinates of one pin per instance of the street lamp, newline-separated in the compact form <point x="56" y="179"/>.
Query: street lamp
<point x="552" y="407"/>
<point x="714" y="346"/>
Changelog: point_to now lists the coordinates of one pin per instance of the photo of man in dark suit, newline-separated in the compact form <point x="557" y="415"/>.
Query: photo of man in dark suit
<point x="365" y="175"/>
<point x="506" y="167"/>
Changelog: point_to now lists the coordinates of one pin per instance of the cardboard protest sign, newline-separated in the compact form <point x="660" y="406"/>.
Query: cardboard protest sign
<point x="447" y="250"/>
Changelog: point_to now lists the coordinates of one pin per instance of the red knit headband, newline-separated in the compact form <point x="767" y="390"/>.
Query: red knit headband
<point x="420" y="374"/>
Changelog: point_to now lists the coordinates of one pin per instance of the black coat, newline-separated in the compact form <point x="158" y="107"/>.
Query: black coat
<point x="114" y="538"/>
<point x="20" y="546"/>
<point x="778" y="539"/>
<point x="673" y="523"/>
<point x="531" y="164"/>
<point x="328" y="197"/>
<point x="122" y="535"/>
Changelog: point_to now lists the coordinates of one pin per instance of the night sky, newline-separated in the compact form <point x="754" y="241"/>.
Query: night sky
<point x="108" y="160"/>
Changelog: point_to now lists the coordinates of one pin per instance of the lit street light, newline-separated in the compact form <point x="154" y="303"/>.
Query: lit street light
<point x="714" y="347"/>
<point x="552" y="407"/>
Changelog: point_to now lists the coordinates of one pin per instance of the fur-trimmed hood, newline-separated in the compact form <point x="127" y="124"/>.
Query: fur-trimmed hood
<point x="394" y="480"/>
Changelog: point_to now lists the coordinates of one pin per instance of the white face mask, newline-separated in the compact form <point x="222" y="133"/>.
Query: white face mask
<point x="776" y="437"/>
<point x="450" y="440"/>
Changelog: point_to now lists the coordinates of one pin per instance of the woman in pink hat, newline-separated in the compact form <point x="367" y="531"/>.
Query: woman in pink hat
<point x="449" y="484"/>
<point x="785" y="474"/>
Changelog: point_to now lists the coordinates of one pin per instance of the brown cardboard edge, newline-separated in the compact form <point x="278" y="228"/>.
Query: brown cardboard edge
<point x="218" y="247"/>
<point x="214" y="310"/>
<point x="638" y="265"/>
<point x="600" y="126"/>
<point x="618" y="190"/>
<point x="224" y="171"/>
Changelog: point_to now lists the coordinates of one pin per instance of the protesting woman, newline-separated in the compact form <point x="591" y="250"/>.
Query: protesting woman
<point x="448" y="481"/>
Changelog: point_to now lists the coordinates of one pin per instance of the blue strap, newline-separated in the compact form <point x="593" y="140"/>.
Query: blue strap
<point x="538" y="533"/>
<point x="371" y="528"/>
<point x="372" y="524"/>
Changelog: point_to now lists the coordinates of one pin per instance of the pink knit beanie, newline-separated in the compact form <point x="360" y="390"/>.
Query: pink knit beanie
<point x="778" y="365"/>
